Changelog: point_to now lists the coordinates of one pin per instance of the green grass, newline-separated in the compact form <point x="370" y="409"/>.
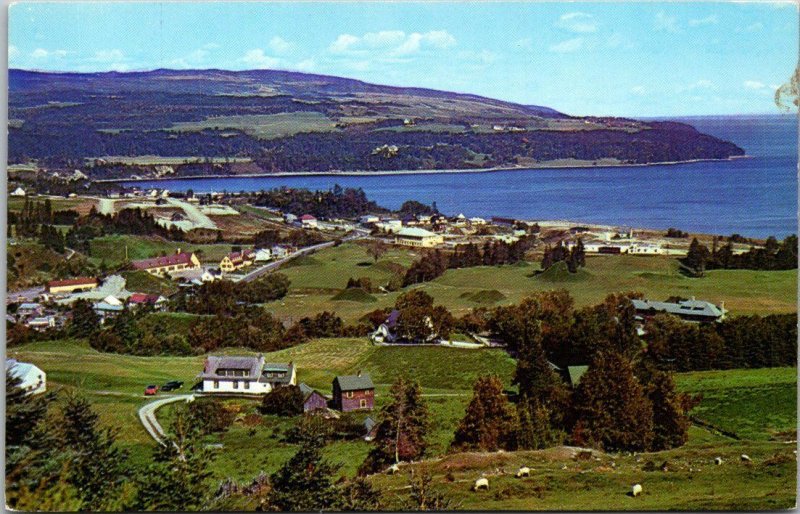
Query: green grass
<point x="144" y="282"/>
<point x="263" y="126"/>
<point x="484" y="296"/>
<point x="354" y="295"/>
<point x="112" y="249"/>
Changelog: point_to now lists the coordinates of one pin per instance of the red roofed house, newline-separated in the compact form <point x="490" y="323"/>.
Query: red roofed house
<point x="308" y="221"/>
<point x="71" y="285"/>
<point x="179" y="261"/>
<point x="138" y="299"/>
<point x="237" y="260"/>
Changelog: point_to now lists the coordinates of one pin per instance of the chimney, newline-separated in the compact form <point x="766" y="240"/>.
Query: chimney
<point x="178" y="251"/>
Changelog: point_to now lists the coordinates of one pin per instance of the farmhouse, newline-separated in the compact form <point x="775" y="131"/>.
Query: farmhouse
<point x="263" y="255"/>
<point x="141" y="299"/>
<point x="237" y="260"/>
<point x="313" y="400"/>
<point x="308" y="221"/>
<point x="687" y="310"/>
<point x="385" y="332"/>
<point x="71" y="285"/>
<point x="179" y="261"/>
<point x="244" y="375"/>
<point x="32" y="379"/>
<point x="418" y="237"/>
<point x="353" y="392"/>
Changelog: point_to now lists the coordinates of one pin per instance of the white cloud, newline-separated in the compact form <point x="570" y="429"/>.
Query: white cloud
<point x="577" y="22"/>
<point x="567" y="46"/>
<point x="258" y="59"/>
<point x="754" y="84"/>
<point x="638" y="90"/>
<point x="708" y="20"/>
<point x="391" y="42"/>
<point x="113" y="55"/>
<point x="41" y="53"/>
<point x="13" y="52"/>
<point x="666" y="23"/>
<point x="700" y="84"/>
<point x="484" y="57"/>
<point x="306" y="65"/>
<point x="279" y="45"/>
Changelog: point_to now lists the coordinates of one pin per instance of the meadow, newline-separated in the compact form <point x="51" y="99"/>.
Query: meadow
<point x="113" y="249"/>
<point x="114" y="383"/>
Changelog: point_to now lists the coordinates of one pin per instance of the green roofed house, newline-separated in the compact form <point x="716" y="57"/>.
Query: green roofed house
<point x="353" y="392"/>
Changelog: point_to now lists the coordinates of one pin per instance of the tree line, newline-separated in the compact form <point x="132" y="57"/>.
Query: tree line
<point x="773" y="256"/>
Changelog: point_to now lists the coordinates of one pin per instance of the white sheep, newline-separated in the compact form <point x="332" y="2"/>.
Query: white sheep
<point x="394" y="468"/>
<point x="524" y="471"/>
<point x="718" y="461"/>
<point x="745" y="457"/>
<point x="636" y="490"/>
<point x="481" y="483"/>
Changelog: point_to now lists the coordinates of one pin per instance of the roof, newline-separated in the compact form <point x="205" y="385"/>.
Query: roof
<point x="682" y="308"/>
<point x="79" y="281"/>
<point x="28" y="305"/>
<point x="354" y="382"/>
<point x="276" y="367"/>
<point x="251" y="364"/>
<point x="307" y="217"/>
<point x="391" y="321"/>
<point x="105" y="306"/>
<point x="415" y="232"/>
<point x="143" y="298"/>
<point x="159" y="262"/>
<point x="307" y="391"/>
<point x="575" y="373"/>
<point x="19" y="369"/>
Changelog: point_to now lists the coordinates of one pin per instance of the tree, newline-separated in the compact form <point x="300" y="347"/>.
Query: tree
<point x="85" y="322"/>
<point x="358" y="495"/>
<point x="611" y="409"/>
<point x="697" y="257"/>
<point x="283" y="401"/>
<point x="490" y="421"/>
<point x="423" y="497"/>
<point x="401" y="432"/>
<point x="670" y="412"/>
<point x="178" y="477"/>
<point x="376" y="249"/>
<point x="96" y="464"/>
<point x="305" y="481"/>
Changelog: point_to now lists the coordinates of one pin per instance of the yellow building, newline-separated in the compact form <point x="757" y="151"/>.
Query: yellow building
<point x="418" y="237"/>
<point x="179" y="261"/>
<point x="71" y="285"/>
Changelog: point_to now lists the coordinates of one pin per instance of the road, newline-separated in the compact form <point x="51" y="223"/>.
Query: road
<point x="277" y="264"/>
<point x="194" y="214"/>
<point x="147" y="415"/>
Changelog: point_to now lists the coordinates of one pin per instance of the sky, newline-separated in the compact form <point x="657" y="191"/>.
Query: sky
<point x="621" y="59"/>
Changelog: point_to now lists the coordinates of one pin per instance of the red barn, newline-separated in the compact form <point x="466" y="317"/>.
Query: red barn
<point x="353" y="392"/>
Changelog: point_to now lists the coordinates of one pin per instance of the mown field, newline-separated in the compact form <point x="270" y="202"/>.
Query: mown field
<point x="758" y="405"/>
<point x="111" y="249"/>
<point x="318" y="278"/>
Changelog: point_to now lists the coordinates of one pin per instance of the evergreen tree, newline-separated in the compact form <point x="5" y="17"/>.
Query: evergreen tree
<point x="305" y="482"/>
<point x="85" y="322"/>
<point x="670" y="411"/>
<point x="611" y="409"/>
<point x="358" y="495"/>
<point x="422" y="496"/>
<point x="401" y="432"/>
<point x="490" y="421"/>
<point x="178" y="477"/>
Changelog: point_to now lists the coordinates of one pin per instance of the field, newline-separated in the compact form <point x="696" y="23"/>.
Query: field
<point x="114" y="384"/>
<point x="81" y="204"/>
<point x="318" y="278"/>
<point x="112" y="249"/>
<point x="155" y="160"/>
<point x="263" y="126"/>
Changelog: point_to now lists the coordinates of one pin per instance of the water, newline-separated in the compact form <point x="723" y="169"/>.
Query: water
<point x="754" y="197"/>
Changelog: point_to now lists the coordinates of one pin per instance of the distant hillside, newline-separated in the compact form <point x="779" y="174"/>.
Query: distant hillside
<point x="285" y="121"/>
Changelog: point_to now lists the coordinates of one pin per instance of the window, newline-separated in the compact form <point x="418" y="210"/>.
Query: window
<point x="348" y="394"/>
<point x="247" y="385"/>
<point x="216" y="384"/>
<point x="236" y="384"/>
<point x="362" y="404"/>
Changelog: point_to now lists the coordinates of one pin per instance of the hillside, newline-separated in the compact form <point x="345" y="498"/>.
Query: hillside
<point x="276" y="121"/>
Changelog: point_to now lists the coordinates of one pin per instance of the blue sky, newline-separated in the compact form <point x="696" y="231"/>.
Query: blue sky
<point x="624" y="59"/>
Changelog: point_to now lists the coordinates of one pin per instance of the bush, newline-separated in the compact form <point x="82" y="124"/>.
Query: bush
<point x="211" y="415"/>
<point x="283" y="401"/>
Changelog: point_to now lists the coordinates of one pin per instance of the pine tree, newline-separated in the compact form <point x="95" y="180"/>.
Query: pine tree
<point x="304" y="482"/>
<point x="670" y="412"/>
<point x="84" y="322"/>
<point x="358" y="495"/>
<point x="490" y="421"/>
<point x="401" y="433"/>
<point x="611" y="409"/>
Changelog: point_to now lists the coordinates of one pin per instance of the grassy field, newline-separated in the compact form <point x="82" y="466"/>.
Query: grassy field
<point x="112" y="249"/>
<point x="318" y="278"/>
<point x="263" y="126"/>
<point x="58" y="203"/>
<point x="155" y="160"/>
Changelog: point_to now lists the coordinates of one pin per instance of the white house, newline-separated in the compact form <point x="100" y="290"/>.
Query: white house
<point x="418" y="237"/>
<point x="263" y="255"/>
<point x="18" y="192"/>
<point x="279" y="252"/>
<point x="368" y="218"/>
<point x="33" y="380"/>
<point x="245" y="375"/>
<point x="308" y="221"/>
<point x="645" y="249"/>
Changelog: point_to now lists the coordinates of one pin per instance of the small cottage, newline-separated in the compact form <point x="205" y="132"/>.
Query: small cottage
<point x="353" y="392"/>
<point x="313" y="400"/>
<point x="32" y="379"/>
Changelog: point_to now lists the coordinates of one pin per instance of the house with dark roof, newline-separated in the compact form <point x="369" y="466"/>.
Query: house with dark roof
<point x="72" y="285"/>
<point x="687" y="310"/>
<point x="385" y="332"/>
<point x="156" y="301"/>
<point x="179" y="261"/>
<point x="353" y="392"/>
<point x="313" y="400"/>
<point x="244" y="375"/>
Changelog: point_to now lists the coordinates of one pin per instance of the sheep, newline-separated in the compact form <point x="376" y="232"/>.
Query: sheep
<point x="394" y="468"/>
<point x="636" y="490"/>
<point x="745" y="457"/>
<point x="524" y="471"/>
<point x="718" y="461"/>
<point x="481" y="483"/>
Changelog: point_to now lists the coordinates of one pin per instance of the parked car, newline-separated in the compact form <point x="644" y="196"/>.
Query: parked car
<point x="150" y="390"/>
<point x="172" y="385"/>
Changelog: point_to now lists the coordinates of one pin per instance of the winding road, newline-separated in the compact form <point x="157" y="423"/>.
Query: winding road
<point x="147" y="415"/>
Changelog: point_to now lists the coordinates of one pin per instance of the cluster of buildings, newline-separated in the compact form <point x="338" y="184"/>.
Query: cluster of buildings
<point x="688" y="310"/>
<point x="252" y="375"/>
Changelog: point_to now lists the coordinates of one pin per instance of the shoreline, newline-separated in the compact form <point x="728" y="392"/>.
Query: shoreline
<point x="356" y="173"/>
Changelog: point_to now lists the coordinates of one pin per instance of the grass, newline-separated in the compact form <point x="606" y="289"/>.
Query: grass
<point x="355" y="294"/>
<point x="58" y="203"/>
<point x="263" y="126"/>
<point x="485" y="296"/>
<point x="113" y="249"/>
<point x="144" y="282"/>
<point x="114" y="384"/>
